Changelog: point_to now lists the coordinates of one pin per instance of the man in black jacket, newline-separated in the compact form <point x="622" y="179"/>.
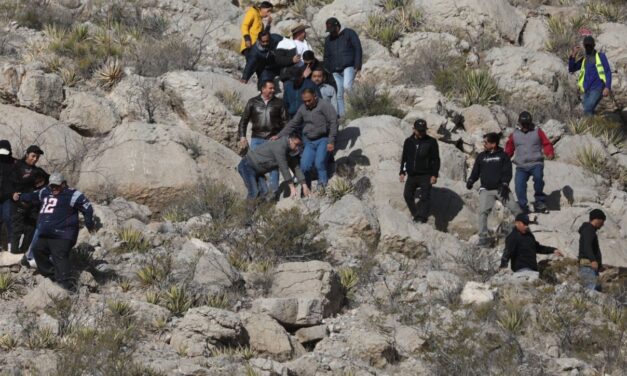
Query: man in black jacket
<point x="29" y="178"/>
<point x="590" y="260"/>
<point x="421" y="161"/>
<point x="522" y="247"/>
<point x="494" y="169"/>
<point x="269" y="116"/>
<point x="342" y="57"/>
<point x="8" y="178"/>
<point x="261" y="59"/>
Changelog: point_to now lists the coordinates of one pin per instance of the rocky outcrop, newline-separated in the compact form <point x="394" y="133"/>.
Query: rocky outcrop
<point x="41" y="92"/>
<point x="90" y="115"/>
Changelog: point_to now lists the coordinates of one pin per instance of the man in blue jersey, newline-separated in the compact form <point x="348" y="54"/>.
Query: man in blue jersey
<point x="58" y="227"/>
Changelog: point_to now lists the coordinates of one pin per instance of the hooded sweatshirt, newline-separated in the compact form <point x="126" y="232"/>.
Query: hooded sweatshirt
<point x="8" y="172"/>
<point x="589" y="243"/>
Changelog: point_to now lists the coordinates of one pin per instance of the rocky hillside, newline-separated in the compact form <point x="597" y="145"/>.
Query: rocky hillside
<point x="137" y="102"/>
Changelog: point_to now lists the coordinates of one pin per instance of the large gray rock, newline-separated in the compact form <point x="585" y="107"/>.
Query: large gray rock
<point x="570" y="146"/>
<point x="267" y="337"/>
<point x="89" y="114"/>
<point x="350" y="13"/>
<point x="302" y="294"/>
<point x="211" y="268"/>
<point x="154" y="164"/>
<point x="10" y="81"/>
<point x="125" y="210"/>
<point x="536" y="34"/>
<point x="43" y="295"/>
<point x="205" y="328"/>
<point x="479" y="119"/>
<point x="610" y="40"/>
<point x="41" y="92"/>
<point x="567" y="184"/>
<point x="476" y="17"/>
<point x="349" y="221"/>
<point x="64" y="149"/>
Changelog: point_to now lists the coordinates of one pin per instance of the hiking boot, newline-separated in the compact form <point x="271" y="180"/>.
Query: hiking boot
<point x="540" y="207"/>
<point x="420" y="220"/>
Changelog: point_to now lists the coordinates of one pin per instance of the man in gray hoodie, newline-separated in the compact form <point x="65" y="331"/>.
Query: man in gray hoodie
<point x="318" y="121"/>
<point x="280" y="153"/>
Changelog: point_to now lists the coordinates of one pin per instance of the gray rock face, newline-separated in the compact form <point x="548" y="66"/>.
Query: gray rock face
<point x="43" y="295"/>
<point x="10" y="81"/>
<point x="125" y="210"/>
<point x="266" y="336"/>
<point x="41" y="92"/>
<point x="349" y="222"/>
<point x="477" y="293"/>
<point x="89" y="114"/>
<point x="205" y="328"/>
<point x="211" y="268"/>
<point x="312" y="334"/>
<point x="567" y="149"/>
<point x="302" y="294"/>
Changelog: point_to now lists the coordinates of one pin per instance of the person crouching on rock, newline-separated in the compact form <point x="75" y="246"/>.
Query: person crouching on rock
<point x="494" y="170"/>
<point x="281" y="153"/>
<point x="58" y="227"/>
<point x="521" y="247"/>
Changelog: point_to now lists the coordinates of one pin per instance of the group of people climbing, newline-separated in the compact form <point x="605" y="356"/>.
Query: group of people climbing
<point x="40" y="214"/>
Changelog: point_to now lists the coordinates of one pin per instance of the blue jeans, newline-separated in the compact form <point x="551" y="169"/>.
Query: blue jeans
<point x="590" y="101"/>
<point x="520" y="180"/>
<point x="274" y="174"/>
<point x="6" y="208"/>
<point x="249" y="175"/>
<point x="344" y="81"/>
<point x="315" y="152"/>
<point x="589" y="278"/>
<point x="29" y="254"/>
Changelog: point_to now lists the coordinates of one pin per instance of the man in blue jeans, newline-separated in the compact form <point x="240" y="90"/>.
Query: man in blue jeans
<point x="342" y="57"/>
<point x="595" y="75"/>
<point x="268" y="116"/>
<point x="318" y="121"/>
<point x="590" y="260"/>
<point x="526" y="145"/>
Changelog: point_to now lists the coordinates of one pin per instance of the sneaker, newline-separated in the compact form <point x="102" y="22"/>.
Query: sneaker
<point x="32" y="263"/>
<point x="540" y="207"/>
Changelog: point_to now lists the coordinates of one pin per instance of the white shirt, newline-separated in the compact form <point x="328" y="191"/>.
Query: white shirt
<point x="290" y="44"/>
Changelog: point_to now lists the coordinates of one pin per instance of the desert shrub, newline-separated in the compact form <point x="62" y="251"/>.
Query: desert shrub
<point x="239" y="352"/>
<point x="398" y="17"/>
<point x="430" y="60"/>
<point x="591" y="159"/>
<point x="349" y="279"/>
<point x="41" y="338"/>
<point x="156" y="271"/>
<point x="564" y="34"/>
<point x="110" y="73"/>
<point x="338" y="188"/>
<point x="153" y="57"/>
<point x="299" y="7"/>
<point x="383" y="29"/>
<point x="8" y="342"/>
<point x="9" y="285"/>
<point x="365" y="100"/>
<point x="34" y="14"/>
<point x="192" y="144"/>
<point x="513" y="317"/>
<point x="132" y="240"/>
<point x="607" y="10"/>
<point x="598" y="126"/>
<point x="177" y="300"/>
<point x="478" y="87"/>
<point x="232" y="100"/>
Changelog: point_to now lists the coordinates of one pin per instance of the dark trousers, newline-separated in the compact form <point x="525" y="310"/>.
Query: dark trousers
<point x="60" y="268"/>
<point x="421" y="210"/>
<point x="24" y="222"/>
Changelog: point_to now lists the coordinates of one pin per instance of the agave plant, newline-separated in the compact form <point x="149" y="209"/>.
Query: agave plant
<point x="110" y="73"/>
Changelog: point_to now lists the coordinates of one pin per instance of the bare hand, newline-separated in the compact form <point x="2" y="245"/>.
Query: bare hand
<point x="550" y="157"/>
<point x="293" y="191"/>
<point x="434" y="179"/>
<point x="401" y="178"/>
<point x="307" y="72"/>
<point x="576" y="50"/>
<point x="247" y="44"/>
<point x="306" y="191"/>
<point x="330" y="148"/>
<point x="16" y="196"/>
<point x="243" y="81"/>
<point x="296" y="59"/>
<point x="558" y="253"/>
<point x="594" y="265"/>
<point x="243" y="143"/>
<point x="606" y="92"/>
<point x="276" y="137"/>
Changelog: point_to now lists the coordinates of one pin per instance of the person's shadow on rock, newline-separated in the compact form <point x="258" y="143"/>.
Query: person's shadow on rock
<point x="445" y="205"/>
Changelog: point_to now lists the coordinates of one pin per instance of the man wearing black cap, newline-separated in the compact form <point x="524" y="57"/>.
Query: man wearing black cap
<point x="526" y="145"/>
<point x="590" y="260"/>
<point x="421" y="162"/>
<point x="522" y="247"/>
<point x="29" y="178"/>
<point x="8" y="177"/>
<point x="342" y="57"/>
<point x="595" y="75"/>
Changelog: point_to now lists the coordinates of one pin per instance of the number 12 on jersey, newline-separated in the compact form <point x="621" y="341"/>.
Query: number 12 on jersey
<point x="49" y="204"/>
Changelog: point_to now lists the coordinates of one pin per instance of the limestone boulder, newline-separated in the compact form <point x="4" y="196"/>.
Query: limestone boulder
<point x="43" y="295"/>
<point x="570" y="146"/>
<point x="477" y="293"/>
<point x="204" y="328"/>
<point x="268" y="337"/>
<point x="610" y="41"/>
<point x="10" y="81"/>
<point x="350" y="218"/>
<point x="41" y="92"/>
<point x="567" y="184"/>
<point x="350" y="13"/>
<point x="125" y="210"/>
<point x="536" y="34"/>
<point x="89" y="114"/>
<point x="452" y="162"/>
<point x="480" y="119"/>
<point x="153" y="164"/>
<point x="476" y="17"/>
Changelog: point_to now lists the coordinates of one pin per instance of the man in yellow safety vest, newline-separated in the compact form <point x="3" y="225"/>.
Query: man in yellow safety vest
<point x="595" y="76"/>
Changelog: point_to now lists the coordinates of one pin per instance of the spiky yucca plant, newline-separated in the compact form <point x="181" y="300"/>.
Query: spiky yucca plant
<point x="110" y="73"/>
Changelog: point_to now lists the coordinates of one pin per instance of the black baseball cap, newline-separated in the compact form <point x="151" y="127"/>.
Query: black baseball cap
<point x="588" y="40"/>
<point x="522" y="217"/>
<point x="332" y="23"/>
<point x="34" y="149"/>
<point x="525" y="118"/>
<point x="420" y="125"/>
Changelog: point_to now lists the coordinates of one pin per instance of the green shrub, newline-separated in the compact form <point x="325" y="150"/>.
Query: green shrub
<point x="398" y="17"/>
<point x="383" y="29"/>
<point x="156" y="271"/>
<point x="338" y="188"/>
<point x="349" y="280"/>
<point x="239" y="352"/>
<point x="598" y="126"/>
<point x="8" y="342"/>
<point x="177" y="300"/>
<point x="607" y="11"/>
<point x="591" y="159"/>
<point x="132" y="240"/>
<point x="42" y="338"/>
<point x="232" y="100"/>
<point x="564" y="34"/>
<point x="478" y="87"/>
<point x="9" y="285"/>
<point x="365" y="100"/>
<point x="431" y="59"/>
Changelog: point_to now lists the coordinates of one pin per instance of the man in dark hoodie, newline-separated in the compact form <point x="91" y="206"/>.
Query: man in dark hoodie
<point x="526" y="145"/>
<point x="522" y="247"/>
<point x="8" y="178"/>
<point x="590" y="260"/>
<point x="261" y="59"/>
<point x="421" y="161"/>
<point x="494" y="169"/>
<point x="29" y="178"/>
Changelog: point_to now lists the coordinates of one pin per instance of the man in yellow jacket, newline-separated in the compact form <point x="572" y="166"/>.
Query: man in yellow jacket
<point x="253" y="24"/>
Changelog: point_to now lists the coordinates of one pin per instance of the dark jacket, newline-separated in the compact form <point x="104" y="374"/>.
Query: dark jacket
<point x="494" y="169"/>
<point x="589" y="243"/>
<point x="262" y="61"/>
<point x="272" y="155"/>
<point x="292" y="94"/>
<point x="318" y="122"/>
<point x="268" y="119"/>
<point x="522" y="250"/>
<point x="343" y="51"/>
<point x="8" y="177"/>
<point x="26" y="178"/>
<point x="58" y="218"/>
<point x="420" y="156"/>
